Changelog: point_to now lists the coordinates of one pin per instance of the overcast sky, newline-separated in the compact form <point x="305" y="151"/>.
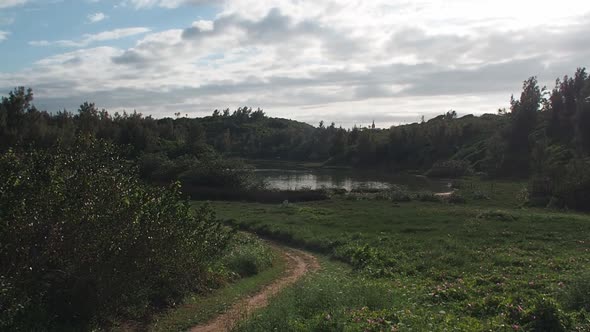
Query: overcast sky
<point x="350" y="62"/>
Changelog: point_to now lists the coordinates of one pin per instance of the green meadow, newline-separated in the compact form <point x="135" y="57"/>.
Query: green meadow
<point x="481" y="263"/>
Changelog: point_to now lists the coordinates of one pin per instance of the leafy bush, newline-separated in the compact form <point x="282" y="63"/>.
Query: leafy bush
<point x="210" y="170"/>
<point x="498" y="215"/>
<point x="574" y="189"/>
<point x="427" y="196"/>
<point x="539" y="191"/>
<point x="577" y="294"/>
<point x="546" y="315"/>
<point x="83" y="240"/>
<point x="450" y="169"/>
<point x="456" y="198"/>
<point x="394" y="194"/>
<point x="567" y="188"/>
<point x="247" y="256"/>
<point x="398" y="195"/>
<point x="480" y="195"/>
<point x="254" y="195"/>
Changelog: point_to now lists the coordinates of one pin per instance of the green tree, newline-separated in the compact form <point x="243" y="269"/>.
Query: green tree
<point x="83" y="240"/>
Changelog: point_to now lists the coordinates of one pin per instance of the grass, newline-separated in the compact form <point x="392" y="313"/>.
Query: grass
<point x="199" y="309"/>
<point x="486" y="264"/>
<point x="246" y="267"/>
<point x="320" y="301"/>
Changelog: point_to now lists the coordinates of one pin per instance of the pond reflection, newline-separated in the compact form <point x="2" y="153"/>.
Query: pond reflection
<point x="288" y="179"/>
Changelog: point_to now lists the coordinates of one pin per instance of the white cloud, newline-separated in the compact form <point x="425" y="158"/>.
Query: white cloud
<point x="355" y="60"/>
<point x="93" y="38"/>
<point x="97" y="17"/>
<point x="203" y="25"/>
<point x="143" y="4"/>
<point x="3" y="35"/>
<point x="11" y="3"/>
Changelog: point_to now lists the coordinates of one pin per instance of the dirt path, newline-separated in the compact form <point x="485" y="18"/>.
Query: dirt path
<point x="298" y="264"/>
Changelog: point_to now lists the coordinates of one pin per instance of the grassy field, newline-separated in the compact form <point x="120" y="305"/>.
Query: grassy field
<point x="486" y="264"/>
<point x="200" y="309"/>
<point x="247" y="266"/>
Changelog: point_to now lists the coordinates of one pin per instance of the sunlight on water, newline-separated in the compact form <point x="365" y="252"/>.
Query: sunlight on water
<point x="284" y="179"/>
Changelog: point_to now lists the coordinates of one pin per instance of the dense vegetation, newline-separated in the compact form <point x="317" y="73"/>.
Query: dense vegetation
<point x="86" y="240"/>
<point x="82" y="240"/>
<point x="545" y="136"/>
<point x="479" y="264"/>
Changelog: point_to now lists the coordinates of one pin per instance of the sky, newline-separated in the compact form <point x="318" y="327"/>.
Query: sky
<point x="348" y="62"/>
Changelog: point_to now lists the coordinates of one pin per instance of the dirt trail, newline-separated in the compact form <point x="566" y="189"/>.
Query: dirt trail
<point x="298" y="264"/>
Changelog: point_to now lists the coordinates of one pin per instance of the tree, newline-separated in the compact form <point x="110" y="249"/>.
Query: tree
<point x="523" y="115"/>
<point x="83" y="240"/>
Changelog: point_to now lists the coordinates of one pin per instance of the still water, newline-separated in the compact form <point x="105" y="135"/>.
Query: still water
<point x="293" y="179"/>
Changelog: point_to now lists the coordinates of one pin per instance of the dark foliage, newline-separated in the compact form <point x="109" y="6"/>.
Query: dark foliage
<point x="543" y="136"/>
<point x="82" y="240"/>
<point x="450" y="169"/>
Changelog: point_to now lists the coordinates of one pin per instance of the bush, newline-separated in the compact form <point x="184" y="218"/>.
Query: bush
<point x="456" y="198"/>
<point x="574" y="189"/>
<point x="394" y="194"/>
<point x="427" y="196"/>
<point x="254" y="195"/>
<point x="498" y="215"/>
<point x="577" y="293"/>
<point x="546" y="315"/>
<point x="248" y="256"/>
<point x="210" y="170"/>
<point x="397" y="195"/>
<point x="480" y="195"/>
<point x="568" y="188"/>
<point x="450" y="169"/>
<point x="83" y="240"/>
<point x="539" y="191"/>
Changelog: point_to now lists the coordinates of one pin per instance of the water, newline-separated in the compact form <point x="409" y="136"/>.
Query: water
<point x="293" y="179"/>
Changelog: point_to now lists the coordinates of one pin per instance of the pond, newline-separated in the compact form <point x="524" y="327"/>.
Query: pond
<point x="293" y="179"/>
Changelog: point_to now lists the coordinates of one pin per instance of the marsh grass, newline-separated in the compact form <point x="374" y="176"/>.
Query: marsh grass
<point x="249" y="265"/>
<point x="482" y="265"/>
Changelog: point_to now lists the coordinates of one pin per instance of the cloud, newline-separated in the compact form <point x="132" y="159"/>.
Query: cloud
<point x="93" y="38"/>
<point x="351" y="61"/>
<point x="143" y="4"/>
<point x="11" y="3"/>
<point x="97" y="17"/>
<point x="3" y="35"/>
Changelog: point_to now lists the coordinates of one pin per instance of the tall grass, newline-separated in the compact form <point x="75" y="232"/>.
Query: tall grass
<point x="486" y="264"/>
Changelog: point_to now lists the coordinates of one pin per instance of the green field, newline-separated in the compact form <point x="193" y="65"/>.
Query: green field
<point x="486" y="264"/>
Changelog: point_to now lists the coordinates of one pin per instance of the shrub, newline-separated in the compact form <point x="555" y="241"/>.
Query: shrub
<point x="247" y="256"/>
<point x="339" y="191"/>
<point x="567" y="188"/>
<point x="210" y="170"/>
<point x="546" y="315"/>
<point x="498" y="215"/>
<point x="450" y="169"/>
<point x="427" y="196"/>
<point x="539" y="191"/>
<point x="254" y="195"/>
<point x="577" y="294"/>
<point x="480" y="195"/>
<point x="456" y="198"/>
<point x="84" y="240"/>
<point x="397" y="195"/>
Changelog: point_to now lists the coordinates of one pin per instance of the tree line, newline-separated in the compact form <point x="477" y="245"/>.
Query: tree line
<point x="543" y="136"/>
<point x="85" y="240"/>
